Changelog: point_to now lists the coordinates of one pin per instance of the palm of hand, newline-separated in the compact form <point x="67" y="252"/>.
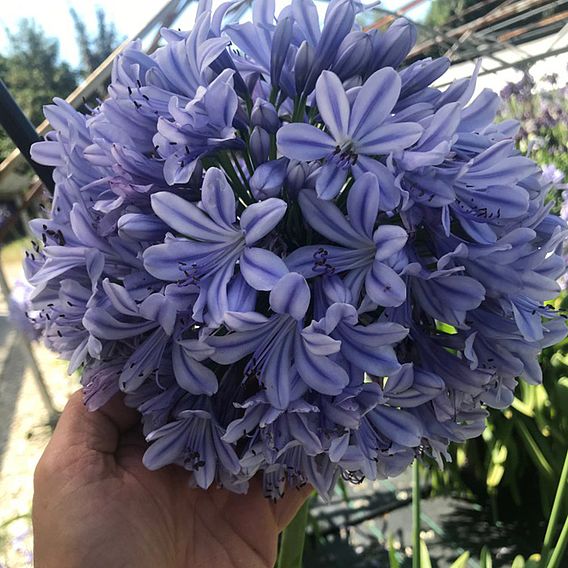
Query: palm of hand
<point x="95" y="504"/>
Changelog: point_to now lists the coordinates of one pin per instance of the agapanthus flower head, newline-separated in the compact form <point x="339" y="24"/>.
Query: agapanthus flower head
<point x="297" y="257"/>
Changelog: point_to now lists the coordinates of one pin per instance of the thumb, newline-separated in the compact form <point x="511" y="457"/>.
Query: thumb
<point x="98" y="430"/>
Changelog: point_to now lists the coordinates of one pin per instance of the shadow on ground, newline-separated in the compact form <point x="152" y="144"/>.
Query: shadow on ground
<point x="12" y="368"/>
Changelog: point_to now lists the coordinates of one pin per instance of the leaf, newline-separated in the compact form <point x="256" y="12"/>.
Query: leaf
<point x="424" y="556"/>
<point x="393" y="560"/>
<point x="292" y="541"/>
<point x="485" y="558"/>
<point x="462" y="561"/>
<point x="518" y="562"/>
<point x="533" y="561"/>
<point x="534" y="450"/>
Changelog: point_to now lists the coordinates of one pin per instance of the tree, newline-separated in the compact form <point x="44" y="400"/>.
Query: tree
<point x="94" y="49"/>
<point x="34" y="73"/>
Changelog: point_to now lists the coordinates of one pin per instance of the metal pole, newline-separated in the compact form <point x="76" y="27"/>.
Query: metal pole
<point x="22" y="132"/>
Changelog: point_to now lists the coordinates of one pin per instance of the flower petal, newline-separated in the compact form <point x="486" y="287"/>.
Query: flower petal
<point x="319" y="372"/>
<point x="261" y="268"/>
<point x="333" y="105"/>
<point x="291" y="296"/>
<point x="277" y="373"/>
<point x="258" y="219"/>
<point x="304" y="142"/>
<point x="389" y="240"/>
<point x="327" y="219"/>
<point x="384" y="286"/>
<point x="375" y="100"/>
<point x="363" y="204"/>
<point x="389" y="138"/>
<point x="191" y="375"/>
<point x="187" y="219"/>
<point x="330" y="180"/>
<point x="398" y="425"/>
<point x="218" y="198"/>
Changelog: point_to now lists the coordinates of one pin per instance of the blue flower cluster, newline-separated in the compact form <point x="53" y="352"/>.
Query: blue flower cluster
<point x="294" y="254"/>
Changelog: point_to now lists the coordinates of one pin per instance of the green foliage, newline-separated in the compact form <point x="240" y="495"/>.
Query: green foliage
<point x="442" y="10"/>
<point x="34" y="73"/>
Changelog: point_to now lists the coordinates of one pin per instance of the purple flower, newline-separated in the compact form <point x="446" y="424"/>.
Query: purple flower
<point x="357" y="131"/>
<point x="361" y="250"/>
<point x="281" y="342"/>
<point x="297" y="257"/>
<point x="217" y="243"/>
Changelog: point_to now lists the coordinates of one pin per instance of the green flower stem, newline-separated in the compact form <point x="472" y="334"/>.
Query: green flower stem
<point x="553" y="520"/>
<point x="241" y="172"/>
<point x="416" y="514"/>
<point x="299" y="109"/>
<point x="237" y="184"/>
<point x="292" y="540"/>
<point x="560" y="547"/>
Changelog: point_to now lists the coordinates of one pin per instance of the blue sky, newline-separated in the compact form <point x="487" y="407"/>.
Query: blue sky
<point x="129" y="16"/>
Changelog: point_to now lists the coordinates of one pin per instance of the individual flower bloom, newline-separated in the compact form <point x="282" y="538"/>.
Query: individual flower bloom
<point x="411" y="386"/>
<point x="384" y="444"/>
<point x="435" y="143"/>
<point x="156" y="400"/>
<point x="324" y="45"/>
<point x="495" y="341"/>
<point x="64" y="148"/>
<point x="487" y="187"/>
<point x="100" y="380"/>
<point x="447" y="293"/>
<point x="264" y="115"/>
<point x="62" y="319"/>
<point x="280" y="345"/>
<point x="19" y="306"/>
<point x="202" y="126"/>
<point x="357" y="132"/>
<point x="455" y="372"/>
<point x="551" y="174"/>
<point x="194" y="441"/>
<point x="416" y="78"/>
<point x="516" y="265"/>
<point x="295" y="468"/>
<point x="154" y="328"/>
<point x="361" y="250"/>
<point x="353" y="55"/>
<point x="393" y="45"/>
<point x="367" y="347"/>
<point x="214" y="242"/>
<point x="276" y="429"/>
<point x="259" y="145"/>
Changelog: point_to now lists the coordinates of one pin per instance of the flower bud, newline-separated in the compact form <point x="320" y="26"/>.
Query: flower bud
<point x="259" y="145"/>
<point x="353" y="55"/>
<point x="264" y="115"/>
<point x="268" y="179"/>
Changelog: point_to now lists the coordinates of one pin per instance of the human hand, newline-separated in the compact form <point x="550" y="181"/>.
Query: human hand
<point x="96" y="505"/>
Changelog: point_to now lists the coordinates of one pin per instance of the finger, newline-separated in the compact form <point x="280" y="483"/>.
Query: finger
<point x="285" y="509"/>
<point x="99" y="430"/>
